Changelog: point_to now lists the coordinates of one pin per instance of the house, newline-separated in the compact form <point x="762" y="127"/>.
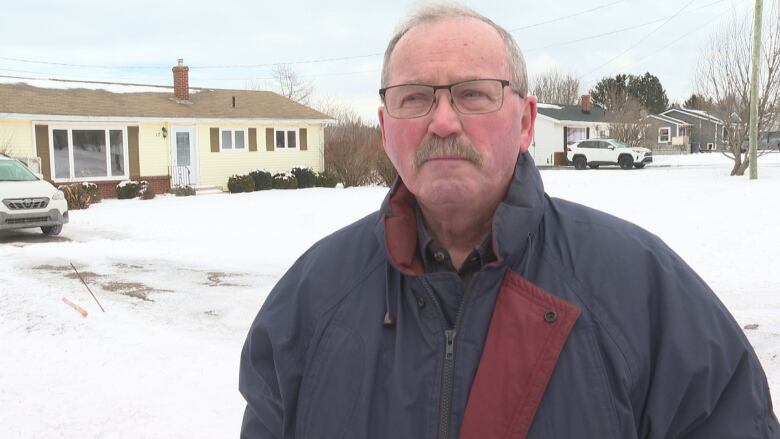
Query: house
<point x="165" y="135"/>
<point x="558" y="126"/>
<point x="684" y="130"/>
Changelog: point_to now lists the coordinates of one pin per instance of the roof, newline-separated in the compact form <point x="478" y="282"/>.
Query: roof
<point x="669" y="119"/>
<point x="573" y="113"/>
<point x="22" y="98"/>
<point x="695" y="113"/>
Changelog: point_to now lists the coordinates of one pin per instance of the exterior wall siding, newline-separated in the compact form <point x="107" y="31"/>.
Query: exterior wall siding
<point x="546" y="141"/>
<point x="17" y="136"/>
<point x="702" y="131"/>
<point x="214" y="168"/>
<point x="154" y="151"/>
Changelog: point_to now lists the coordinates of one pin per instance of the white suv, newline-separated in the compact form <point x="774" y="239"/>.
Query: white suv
<point x="27" y="201"/>
<point x="596" y="152"/>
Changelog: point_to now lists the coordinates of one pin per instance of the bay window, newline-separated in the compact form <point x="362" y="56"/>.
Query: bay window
<point x="89" y="153"/>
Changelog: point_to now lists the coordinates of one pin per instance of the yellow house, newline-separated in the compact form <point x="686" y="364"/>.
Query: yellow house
<point x="175" y="136"/>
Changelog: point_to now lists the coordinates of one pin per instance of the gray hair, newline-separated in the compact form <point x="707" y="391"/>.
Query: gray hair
<point x="438" y="11"/>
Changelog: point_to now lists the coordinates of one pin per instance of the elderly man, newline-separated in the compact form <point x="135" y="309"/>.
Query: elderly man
<point x="474" y="306"/>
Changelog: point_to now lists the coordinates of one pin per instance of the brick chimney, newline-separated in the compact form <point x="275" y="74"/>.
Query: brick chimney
<point x="585" y="100"/>
<point x="181" y="81"/>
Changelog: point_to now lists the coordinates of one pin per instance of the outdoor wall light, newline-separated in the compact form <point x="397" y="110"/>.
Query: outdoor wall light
<point x="164" y="132"/>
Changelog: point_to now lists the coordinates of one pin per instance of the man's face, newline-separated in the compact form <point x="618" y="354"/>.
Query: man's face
<point x="443" y="52"/>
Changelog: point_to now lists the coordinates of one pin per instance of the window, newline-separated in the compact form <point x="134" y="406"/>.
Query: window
<point x="286" y="139"/>
<point x="664" y="135"/>
<point x="88" y="153"/>
<point x="574" y="135"/>
<point x="232" y="140"/>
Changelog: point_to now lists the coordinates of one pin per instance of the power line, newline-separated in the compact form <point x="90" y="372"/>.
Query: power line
<point x="565" y="16"/>
<point x="640" y="41"/>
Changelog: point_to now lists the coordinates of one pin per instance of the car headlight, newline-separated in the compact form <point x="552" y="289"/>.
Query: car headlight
<point x="59" y="195"/>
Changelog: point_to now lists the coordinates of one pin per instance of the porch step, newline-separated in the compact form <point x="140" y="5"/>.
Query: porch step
<point x="207" y="190"/>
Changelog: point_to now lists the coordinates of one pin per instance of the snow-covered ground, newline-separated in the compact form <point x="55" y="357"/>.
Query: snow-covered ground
<point x="182" y="278"/>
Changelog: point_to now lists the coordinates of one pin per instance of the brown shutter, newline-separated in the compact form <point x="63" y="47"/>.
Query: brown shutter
<point x="214" y="139"/>
<point x="253" y="139"/>
<point x="42" y="148"/>
<point x="133" y="154"/>
<point x="269" y="139"/>
<point x="304" y="140"/>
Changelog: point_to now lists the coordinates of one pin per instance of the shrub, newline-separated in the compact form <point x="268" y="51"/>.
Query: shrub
<point x="148" y="193"/>
<point x="263" y="180"/>
<point x="240" y="183"/>
<point x="285" y="180"/>
<point x="80" y="195"/>
<point x="325" y="179"/>
<point x="182" y="191"/>
<point x="305" y="176"/>
<point x="131" y="189"/>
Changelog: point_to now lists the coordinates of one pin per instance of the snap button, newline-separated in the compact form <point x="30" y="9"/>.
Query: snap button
<point x="439" y="256"/>
<point x="420" y="302"/>
<point x="550" y="316"/>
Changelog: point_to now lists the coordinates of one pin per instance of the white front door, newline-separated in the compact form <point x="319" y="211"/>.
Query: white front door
<point x="184" y="156"/>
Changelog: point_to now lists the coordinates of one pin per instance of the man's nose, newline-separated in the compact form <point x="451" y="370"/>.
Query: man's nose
<point x="445" y="120"/>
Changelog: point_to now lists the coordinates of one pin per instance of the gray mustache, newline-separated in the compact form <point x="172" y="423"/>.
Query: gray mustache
<point x="451" y="147"/>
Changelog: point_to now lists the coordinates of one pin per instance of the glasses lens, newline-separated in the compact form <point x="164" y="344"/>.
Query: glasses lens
<point x="406" y="101"/>
<point x="480" y="96"/>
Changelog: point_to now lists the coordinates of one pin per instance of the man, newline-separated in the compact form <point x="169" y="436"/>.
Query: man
<point x="472" y="305"/>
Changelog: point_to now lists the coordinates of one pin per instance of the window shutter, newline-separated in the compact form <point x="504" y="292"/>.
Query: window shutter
<point x="42" y="148"/>
<point x="133" y="153"/>
<point x="253" y="139"/>
<point x="269" y="139"/>
<point x="214" y="139"/>
<point x="304" y="140"/>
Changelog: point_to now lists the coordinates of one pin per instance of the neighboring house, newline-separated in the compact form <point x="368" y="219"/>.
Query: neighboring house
<point x="704" y="131"/>
<point x="197" y="136"/>
<point x="558" y="126"/>
<point x="667" y="135"/>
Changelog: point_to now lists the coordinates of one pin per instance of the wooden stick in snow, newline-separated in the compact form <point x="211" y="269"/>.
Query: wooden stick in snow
<point x="81" y="310"/>
<point x="85" y="284"/>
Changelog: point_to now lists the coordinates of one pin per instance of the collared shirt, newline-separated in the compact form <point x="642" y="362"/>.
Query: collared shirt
<point x="436" y="259"/>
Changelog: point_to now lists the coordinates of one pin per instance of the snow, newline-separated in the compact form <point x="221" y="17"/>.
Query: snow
<point x="181" y="279"/>
<point x="550" y="106"/>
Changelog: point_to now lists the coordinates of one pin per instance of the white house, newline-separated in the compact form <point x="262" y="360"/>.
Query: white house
<point x="560" y="125"/>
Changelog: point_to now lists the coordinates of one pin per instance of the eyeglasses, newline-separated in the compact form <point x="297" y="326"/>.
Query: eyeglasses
<point x="478" y="96"/>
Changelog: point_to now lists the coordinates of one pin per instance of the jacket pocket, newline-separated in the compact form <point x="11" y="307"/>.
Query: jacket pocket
<point x="331" y="384"/>
<point x="579" y="400"/>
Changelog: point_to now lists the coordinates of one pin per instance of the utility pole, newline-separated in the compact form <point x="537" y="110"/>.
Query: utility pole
<point x="753" y="153"/>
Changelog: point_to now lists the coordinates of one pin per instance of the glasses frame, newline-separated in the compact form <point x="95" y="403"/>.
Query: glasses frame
<point x="504" y="83"/>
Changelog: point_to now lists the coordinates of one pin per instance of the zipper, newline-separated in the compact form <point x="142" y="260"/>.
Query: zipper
<point x="448" y="370"/>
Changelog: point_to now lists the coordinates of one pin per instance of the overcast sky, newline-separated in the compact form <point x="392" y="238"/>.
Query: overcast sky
<point x="337" y="45"/>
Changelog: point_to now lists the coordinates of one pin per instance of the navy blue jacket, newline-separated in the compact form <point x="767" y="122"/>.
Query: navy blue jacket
<point x="586" y="326"/>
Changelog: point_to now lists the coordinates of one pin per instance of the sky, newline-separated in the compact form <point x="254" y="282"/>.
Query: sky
<point x="337" y="46"/>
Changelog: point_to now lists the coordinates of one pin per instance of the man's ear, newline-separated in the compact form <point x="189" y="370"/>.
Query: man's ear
<point x="381" y="114"/>
<point x="527" y="122"/>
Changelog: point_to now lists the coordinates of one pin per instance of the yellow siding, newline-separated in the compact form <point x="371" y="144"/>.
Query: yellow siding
<point x="16" y="136"/>
<point x="154" y="151"/>
<point x="214" y="168"/>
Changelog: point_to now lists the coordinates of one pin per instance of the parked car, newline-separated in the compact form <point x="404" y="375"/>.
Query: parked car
<point x="28" y="201"/>
<point x="602" y="152"/>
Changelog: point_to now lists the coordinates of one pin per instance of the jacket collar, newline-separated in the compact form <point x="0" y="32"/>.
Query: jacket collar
<point x="515" y="219"/>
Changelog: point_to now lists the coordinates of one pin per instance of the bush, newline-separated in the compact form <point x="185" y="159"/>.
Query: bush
<point x="80" y="195"/>
<point x="148" y="193"/>
<point x="325" y="179"/>
<point x="131" y="189"/>
<point x="240" y="183"/>
<point x="183" y="191"/>
<point x="285" y="180"/>
<point x="263" y="180"/>
<point x="305" y="176"/>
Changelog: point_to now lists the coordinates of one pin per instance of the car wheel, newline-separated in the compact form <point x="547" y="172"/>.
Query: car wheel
<point x="593" y="166"/>
<point x="626" y="162"/>
<point x="580" y="163"/>
<point x="52" y="230"/>
<point x="639" y="165"/>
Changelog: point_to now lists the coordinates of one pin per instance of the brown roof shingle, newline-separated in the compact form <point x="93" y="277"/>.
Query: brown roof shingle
<point x="204" y="103"/>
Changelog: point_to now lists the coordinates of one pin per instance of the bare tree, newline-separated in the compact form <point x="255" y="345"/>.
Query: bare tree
<point x="723" y="79"/>
<point x="5" y="145"/>
<point x="626" y="116"/>
<point x="290" y="85"/>
<point x="555" y="87"/>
